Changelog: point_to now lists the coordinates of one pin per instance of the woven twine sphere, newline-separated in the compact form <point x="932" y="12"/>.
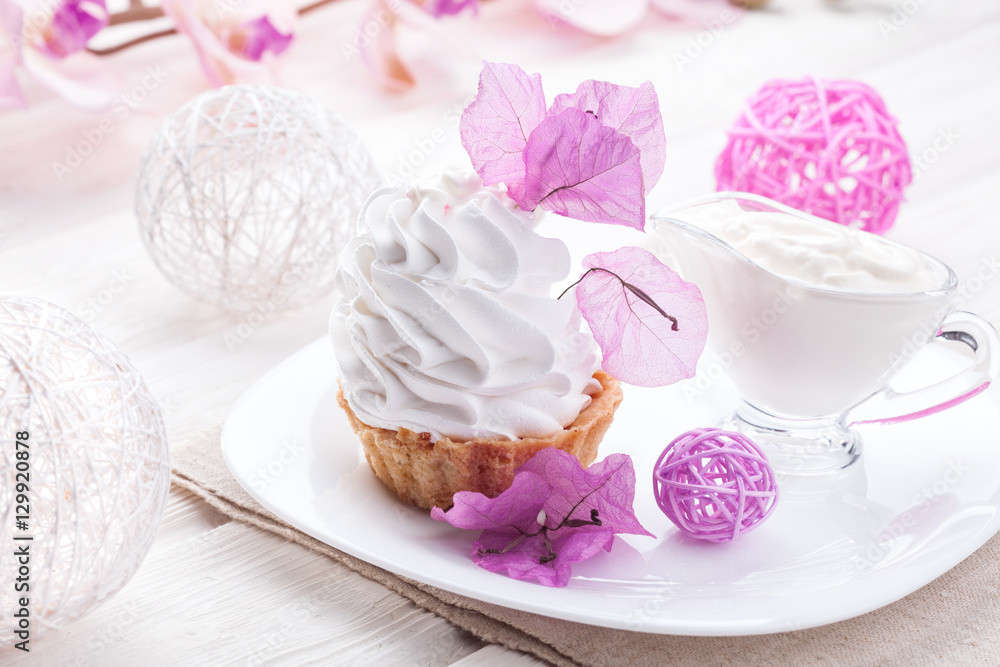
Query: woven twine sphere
<point x="714" y="485"/>
<point x="829" y="148"/>
<point x="97" y="464"/>
<point x="247" y="195"/>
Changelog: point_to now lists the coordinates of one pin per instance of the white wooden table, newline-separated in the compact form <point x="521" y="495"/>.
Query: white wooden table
<point x="212" y="591"/>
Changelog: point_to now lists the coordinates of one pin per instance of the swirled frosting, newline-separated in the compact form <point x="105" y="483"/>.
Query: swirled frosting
<point x="447" y="323"/>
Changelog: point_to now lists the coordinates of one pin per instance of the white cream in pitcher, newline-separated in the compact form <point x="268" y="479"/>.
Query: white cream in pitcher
<point x="820" y="316"/>
<point x="824" y="254"/>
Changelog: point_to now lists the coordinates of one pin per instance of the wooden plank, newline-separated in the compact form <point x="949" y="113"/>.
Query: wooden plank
<point x="268" y="601"/>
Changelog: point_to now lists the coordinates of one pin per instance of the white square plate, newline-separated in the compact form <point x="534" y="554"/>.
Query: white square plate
<point x="923" y="496"/>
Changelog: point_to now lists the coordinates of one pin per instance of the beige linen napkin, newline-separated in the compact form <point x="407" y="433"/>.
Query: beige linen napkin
<point x="955" y="620"/>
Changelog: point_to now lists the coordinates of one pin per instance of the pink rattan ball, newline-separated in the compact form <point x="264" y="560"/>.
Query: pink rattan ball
<point x="828" y="148"/>
<point x="714" y="485"/>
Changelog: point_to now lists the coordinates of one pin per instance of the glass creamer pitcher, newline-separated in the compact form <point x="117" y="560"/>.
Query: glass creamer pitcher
<point x="803" y="356"/>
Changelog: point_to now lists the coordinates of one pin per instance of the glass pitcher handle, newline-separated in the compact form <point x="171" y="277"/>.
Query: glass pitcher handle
<point x="963" y="327"/>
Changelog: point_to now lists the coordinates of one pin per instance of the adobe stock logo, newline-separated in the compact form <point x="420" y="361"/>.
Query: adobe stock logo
<point x="901" y="15"/>
<point x="943" y="141"/>
<point x="101" y="301"/>
<point x="268" y="473"/>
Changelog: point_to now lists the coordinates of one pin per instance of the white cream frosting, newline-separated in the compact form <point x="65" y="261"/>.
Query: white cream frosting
<point x="817" y="252"/>
<point x="447" y="321"/>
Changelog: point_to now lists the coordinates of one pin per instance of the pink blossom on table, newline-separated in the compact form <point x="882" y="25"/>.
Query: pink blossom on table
<point x="515" y="509"/>
<point x="554" y="514"/>
<point x="607" y="487"/>
<point x="496" y="125"/>
<point x="73" y="24"/>
<point x="528" y="560"/>
<point x="234" y="38"/>
<point x="255" y="37"/>
<point x="50" y="48"/>
<point x="650" y="324"/>
<point x="578" y="167"/>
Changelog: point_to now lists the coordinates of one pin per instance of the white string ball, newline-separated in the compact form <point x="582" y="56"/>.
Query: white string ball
<point x="247" y="195"/>
<point x="96" y="470"/>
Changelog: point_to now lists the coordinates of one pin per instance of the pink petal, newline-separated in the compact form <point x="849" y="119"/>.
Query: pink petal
<point x="516" y="508"/>
<point x="598" y="17"/>
<point x="215" y="60"/>
<point x="219" y="63"/>
<point x="10" y="55"/>
<point x="381" y="53"/>
<point x="638" y="343"/>
<point x="513" y="541"/>
<point x="439" y="8"/>
<point x="571" y="545"/>
<point x="260" y="36"/>
<point x="634" y="112"/>
<point x="375" y="39"/>
<point x="82" y="79"/>
<point x="576" y="545"/>
<point x="607" y="486"/>
<point x="495" y="127"/>
<point x="580" y="168"/>
<point x="73" y="24"/>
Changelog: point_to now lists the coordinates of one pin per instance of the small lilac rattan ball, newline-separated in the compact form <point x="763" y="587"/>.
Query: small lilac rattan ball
<point x="714" y="485"/>
<point x="829" y="148"/>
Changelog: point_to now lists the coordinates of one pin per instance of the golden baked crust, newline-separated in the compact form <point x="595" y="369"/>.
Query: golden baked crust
<point x="428" y="473"/>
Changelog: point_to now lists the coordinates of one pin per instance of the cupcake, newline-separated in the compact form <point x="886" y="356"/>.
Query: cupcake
<point x="457" y="363"/>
